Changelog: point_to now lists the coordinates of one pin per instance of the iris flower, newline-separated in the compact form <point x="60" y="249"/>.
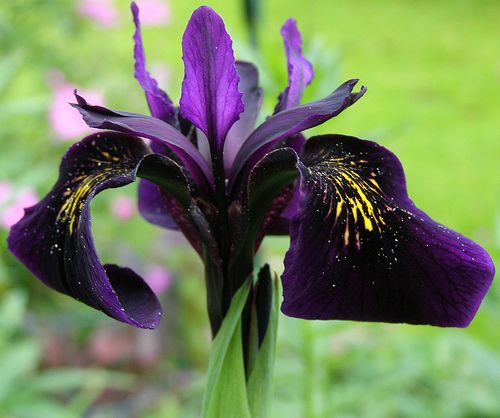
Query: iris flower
<point x="359" y="247"/>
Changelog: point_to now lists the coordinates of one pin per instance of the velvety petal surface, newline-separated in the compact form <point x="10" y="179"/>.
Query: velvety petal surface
<point x="54" y="238"/>
<point x="151" y="128"/>
<point x="293" y="121"/>
<point x="159" y="103"/>
<point x="210" y="97"/>
<point x="154" y="205"/>
<point x="361" y="250"/>
<point x="300" y="70"/>
<point x="252" y="100"/>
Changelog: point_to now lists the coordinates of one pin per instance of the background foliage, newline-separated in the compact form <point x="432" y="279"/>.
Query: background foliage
<point x="432" y="70"/>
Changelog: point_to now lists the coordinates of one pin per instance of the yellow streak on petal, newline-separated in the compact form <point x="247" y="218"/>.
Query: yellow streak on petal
<point x="70" y="209"/>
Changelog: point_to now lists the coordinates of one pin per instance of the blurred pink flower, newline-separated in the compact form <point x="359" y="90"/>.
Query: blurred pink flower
<point x="102" y="12"/>
<point x="154" y="12"/>
<point x="158" y="278"/>
<point x="109" y="346"/>
<point x="123" y="207"/>
<point x="14" y="212"/>
<point x="5" y="191"/>
<point x="66" y="121"/>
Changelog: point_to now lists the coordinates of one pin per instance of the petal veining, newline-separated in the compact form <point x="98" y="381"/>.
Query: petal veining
<point x="210" y="97"/>
<point x="54" y="238"/>
<point x="371" y="254"/>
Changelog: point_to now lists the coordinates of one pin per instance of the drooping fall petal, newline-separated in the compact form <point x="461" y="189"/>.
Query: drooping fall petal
<point x="54" y="238"/>
<point x="361" y="250"/>
<point x="210" y="97"/>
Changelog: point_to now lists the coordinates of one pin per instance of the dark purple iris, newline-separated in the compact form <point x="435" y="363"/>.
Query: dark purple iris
<point x="359" y="250"/>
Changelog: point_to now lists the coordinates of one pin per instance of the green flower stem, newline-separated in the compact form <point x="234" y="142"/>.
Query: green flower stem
<point x="309" y="366"/>
<point x="232" y="389"/>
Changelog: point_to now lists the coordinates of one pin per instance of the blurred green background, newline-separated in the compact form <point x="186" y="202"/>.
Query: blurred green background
<point x="432" y="71"/>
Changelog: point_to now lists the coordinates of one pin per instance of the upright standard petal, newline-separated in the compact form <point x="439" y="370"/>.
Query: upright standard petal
<point x="361" y="250"/>
<point x="292" y="121"/>
<point x="300" y="70"/>
<point x="151" y="128"/>
<point x="252" y="101"/>
<point x="159" y="103"/>
<point x="210" y="97"/>
<point x="54" y="238"/>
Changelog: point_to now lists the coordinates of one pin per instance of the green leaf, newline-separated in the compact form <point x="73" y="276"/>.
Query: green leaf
<point x="12" y="311"/>
<point x="9" y="67"/>
<point x="39" y="408"/>
<point x="259" y="315"/>
<point x="16" y="364"/>
<point x="259" y="388"/>
<point x="65" y="380"/>
<point x="226" y="394"/>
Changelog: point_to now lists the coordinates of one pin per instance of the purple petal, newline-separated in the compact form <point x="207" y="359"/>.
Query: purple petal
<point x="182" y="207"/>
<point x="281" y="226"/>
<point x="148" y="127"/>
<point x="54" y="239"/>
<point x="296" y="142"/>
<point x="252" y="101"/>
<point x="210" y="97"/>
<point x="292" y="121"/>
<point x="160" y="105"/>
<point x="361" y="250"/>
<point x="292" y="207"/>
<point x="300" y="70"/>
<point x="154" y="205"/>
